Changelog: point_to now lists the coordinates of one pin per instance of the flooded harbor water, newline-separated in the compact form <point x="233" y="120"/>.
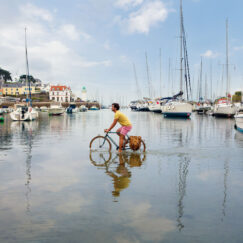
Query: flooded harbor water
<point x="187" y="187"/>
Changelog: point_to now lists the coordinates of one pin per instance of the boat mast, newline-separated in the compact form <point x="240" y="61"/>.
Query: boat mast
<point x="149" y="88"/>
<point x="211" y="81"/>
<point x="200" y="83"/>
<point x="227" y="60"/>
<point x="136" y="80"/>
<point x="27" y="66"/>
<point x="181" y="45"/>
<point x="169" y="73"/>
<point x="206" y="88"/>
<point x="160" y="73"/>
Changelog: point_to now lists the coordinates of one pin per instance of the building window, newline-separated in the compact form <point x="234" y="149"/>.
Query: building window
<point x="53" y="98"/>
<point x="57" y="98"/>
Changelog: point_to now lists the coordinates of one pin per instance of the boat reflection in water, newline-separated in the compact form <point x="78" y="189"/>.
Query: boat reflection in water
<point x="118" y="167"/>
<point x="183" y="172"/>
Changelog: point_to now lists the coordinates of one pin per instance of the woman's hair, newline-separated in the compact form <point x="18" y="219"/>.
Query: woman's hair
<point x="116" y="105"/>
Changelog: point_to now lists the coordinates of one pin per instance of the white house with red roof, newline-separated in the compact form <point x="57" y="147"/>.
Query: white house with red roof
<point x="60" y="93"/>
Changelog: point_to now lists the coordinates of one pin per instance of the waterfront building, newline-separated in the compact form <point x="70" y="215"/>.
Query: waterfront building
<point x="84" y="94"/>
<point x="33" y="89"/>
<point x="60" y="93"/>
<point x="45" y="88"/>
<point x="17" y="89"/>
<point x="12" y="89"/>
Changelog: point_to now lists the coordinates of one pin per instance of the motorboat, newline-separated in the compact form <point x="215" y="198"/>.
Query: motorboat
<point x="72" y="109"/>
<point x="203" y="108"/>
<point x="155" y="107"/>
<point x="94" y="108"/>
<point x="24" y="113"/>
<point x="83" y="108"/>
<point x="43" y="109"/>
<point x="133" y="105"/>
<point x="239" y="120"/>
<point x="56" y="110"/>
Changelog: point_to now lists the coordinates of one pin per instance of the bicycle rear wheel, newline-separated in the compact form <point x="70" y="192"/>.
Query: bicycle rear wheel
<point x="142" y="147"/>
<point x="100" y="143"/>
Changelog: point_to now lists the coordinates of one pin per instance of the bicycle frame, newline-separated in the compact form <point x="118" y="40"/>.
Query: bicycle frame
<point x="114" y="143"/>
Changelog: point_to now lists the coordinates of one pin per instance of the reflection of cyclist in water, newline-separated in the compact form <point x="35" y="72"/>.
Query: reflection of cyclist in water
<point x="126" y="125"/>
<point x="121" y="177"/>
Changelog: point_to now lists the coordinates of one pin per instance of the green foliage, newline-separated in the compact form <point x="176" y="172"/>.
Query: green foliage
<point x="6" y="75"/>
<point x="30" y="78"/>
<point x="237" y="96"/>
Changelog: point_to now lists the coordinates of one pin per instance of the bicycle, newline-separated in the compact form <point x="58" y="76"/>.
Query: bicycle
<point x="104" y="143"/>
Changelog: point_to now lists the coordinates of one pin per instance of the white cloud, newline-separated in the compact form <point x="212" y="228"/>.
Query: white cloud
<point x="107" y="45"/>
<point x="147" y="16"/>
<point x="51" y="57"/>
<point x="70" y="31"/>
<point x="238" y="48"/>
<point x="31" y="11"/>
<point x="210" y="54"/>
<point x="127" y="3"/>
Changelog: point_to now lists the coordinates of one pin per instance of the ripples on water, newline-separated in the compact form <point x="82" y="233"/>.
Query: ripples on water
<point x="187" y="187"/>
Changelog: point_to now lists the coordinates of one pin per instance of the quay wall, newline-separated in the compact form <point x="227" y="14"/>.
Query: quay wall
<point x="47" y="104"/>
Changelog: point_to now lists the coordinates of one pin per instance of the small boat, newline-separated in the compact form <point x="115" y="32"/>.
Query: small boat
<point x="72" y="109"/>
<point x="56" y="110"/>
<point x="43" y="109"/>
<point x="133" y="105"/>
<point x="83" y="108"/>
<point x="24" y="113"/>
<point x="203" y="108"/>
<point x="224" y="108"/>
<point x="155" y="107"/>
<point x="94" y="108"/>
<point x="239" y="120"/>
<point x="177" y="108"/>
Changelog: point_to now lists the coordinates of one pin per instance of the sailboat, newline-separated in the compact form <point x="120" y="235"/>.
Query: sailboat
<point x="177" y="107"/>
<point x="224" y="107"/>
<point x="25" y="112"/>
<point x="203" y="106"/>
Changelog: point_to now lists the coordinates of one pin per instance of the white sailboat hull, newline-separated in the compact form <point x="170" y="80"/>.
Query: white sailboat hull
<point x="56" y="111"/>
<point x="224" y="110"/>
<point x="239" y="122"/>
<point x="155" y="108"/>
<point x="30" y="115"/>
<point x="177" y="109"/>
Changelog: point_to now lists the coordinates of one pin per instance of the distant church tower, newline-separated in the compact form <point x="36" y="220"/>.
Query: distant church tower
<point x="84" y="94"/>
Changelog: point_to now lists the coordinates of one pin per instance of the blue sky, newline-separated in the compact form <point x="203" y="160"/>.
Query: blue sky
<point x="94" y="43"/>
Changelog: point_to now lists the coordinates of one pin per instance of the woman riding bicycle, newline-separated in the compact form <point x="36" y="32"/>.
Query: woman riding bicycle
<point x="126" y="125"/>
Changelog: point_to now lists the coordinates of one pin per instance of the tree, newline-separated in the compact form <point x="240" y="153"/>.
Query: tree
<point x="30" y="78"/>
<point x="237" y="96"/>
<point x="5" y="75"/>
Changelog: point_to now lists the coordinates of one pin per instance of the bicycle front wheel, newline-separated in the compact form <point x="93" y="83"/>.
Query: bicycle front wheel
<point x="100" y="143"/>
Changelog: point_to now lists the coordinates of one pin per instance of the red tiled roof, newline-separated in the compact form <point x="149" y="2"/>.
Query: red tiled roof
<point x="59" y="87"/>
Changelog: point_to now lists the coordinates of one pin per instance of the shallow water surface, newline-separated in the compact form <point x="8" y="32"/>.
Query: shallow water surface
<point x="187" y="187"/>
